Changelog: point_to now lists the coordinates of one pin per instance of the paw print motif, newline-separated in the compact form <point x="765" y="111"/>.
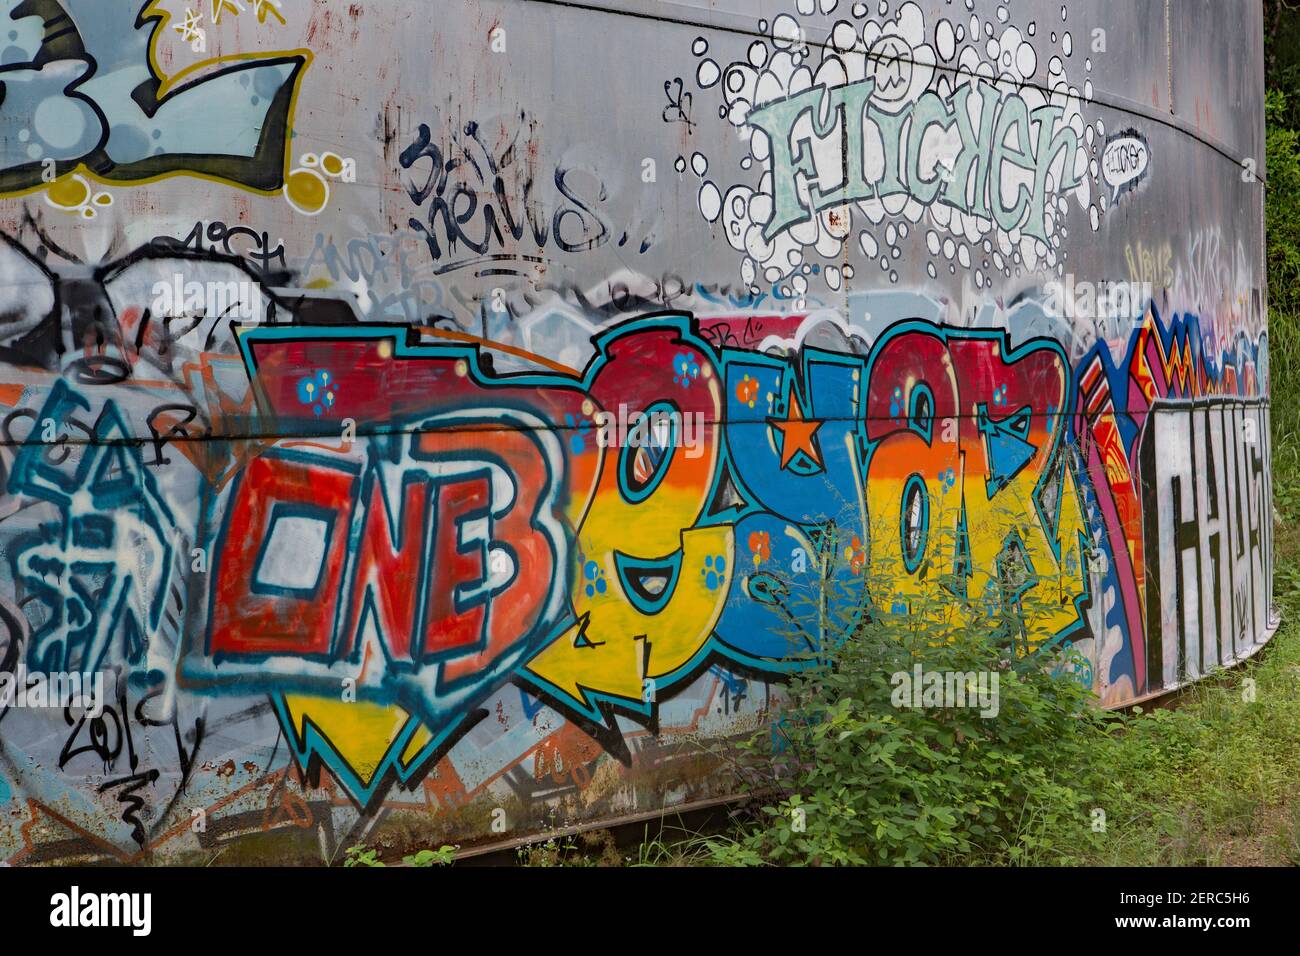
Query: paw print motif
<point x="856" y="555"/>
<point x="317" y="392"/>
<point x="580" y="429"/>
<point x="947" y="478"/>
<point x="74" y="194"/>
<point x="747" y="391"/>
<point x="595" y="579"/>
<point x="896" y="404"/>
<point x="898" y="607"/>
<point x="761" y="544"/>
<point x="714" y="571"/>
<point x="1000" y="395"/>
<point x="685" y="370"/>
<point x="307" y="188"/>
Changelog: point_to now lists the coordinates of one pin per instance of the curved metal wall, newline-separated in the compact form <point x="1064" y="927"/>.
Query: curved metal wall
<point x="328" y="330"/>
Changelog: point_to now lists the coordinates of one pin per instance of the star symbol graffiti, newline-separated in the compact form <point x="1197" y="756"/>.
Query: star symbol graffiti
<point x="797" y="434"/>
<point x="189" y="28"/>
<point x="220" y="6"/>
<point x="263" y="7"/>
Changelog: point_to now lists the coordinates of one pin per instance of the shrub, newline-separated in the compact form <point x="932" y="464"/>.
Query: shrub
<point x="863" y="777"/>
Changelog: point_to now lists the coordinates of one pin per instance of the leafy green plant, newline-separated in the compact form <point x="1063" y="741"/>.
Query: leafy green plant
<point x="362" y="855"/>
<point x="1282" y="222"/>
<point x="858" y="778"/>
<point x="443" y="856"/>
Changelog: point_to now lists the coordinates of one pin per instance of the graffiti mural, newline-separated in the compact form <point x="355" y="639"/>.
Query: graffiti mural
<point x="401" y="454"/>
<point x="84" y="97"/>
<point x="922" y="146"/>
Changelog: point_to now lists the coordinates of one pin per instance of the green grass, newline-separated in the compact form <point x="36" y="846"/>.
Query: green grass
<point x="1214" y="781"/>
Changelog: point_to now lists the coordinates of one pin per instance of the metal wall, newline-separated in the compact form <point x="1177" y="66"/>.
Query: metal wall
<point x="329" y="331"/>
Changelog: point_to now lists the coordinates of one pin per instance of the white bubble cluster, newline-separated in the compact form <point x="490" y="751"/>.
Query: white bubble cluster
<point x="906" y="59"/>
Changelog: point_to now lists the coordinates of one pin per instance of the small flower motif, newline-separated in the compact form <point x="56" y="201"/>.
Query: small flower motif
<point x="948" y="478"/>
<point x="747" y="391"/>
<point x="579" y="430"/>
<point x="595" y="579"/>
<point x="761" y="544"/>
<point x="856" y="555"/>
<point x="896" y="404"/>
<point x="685" y="370"/>
<point x="1000" y="395"/>
<point x="318" y="392"/>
